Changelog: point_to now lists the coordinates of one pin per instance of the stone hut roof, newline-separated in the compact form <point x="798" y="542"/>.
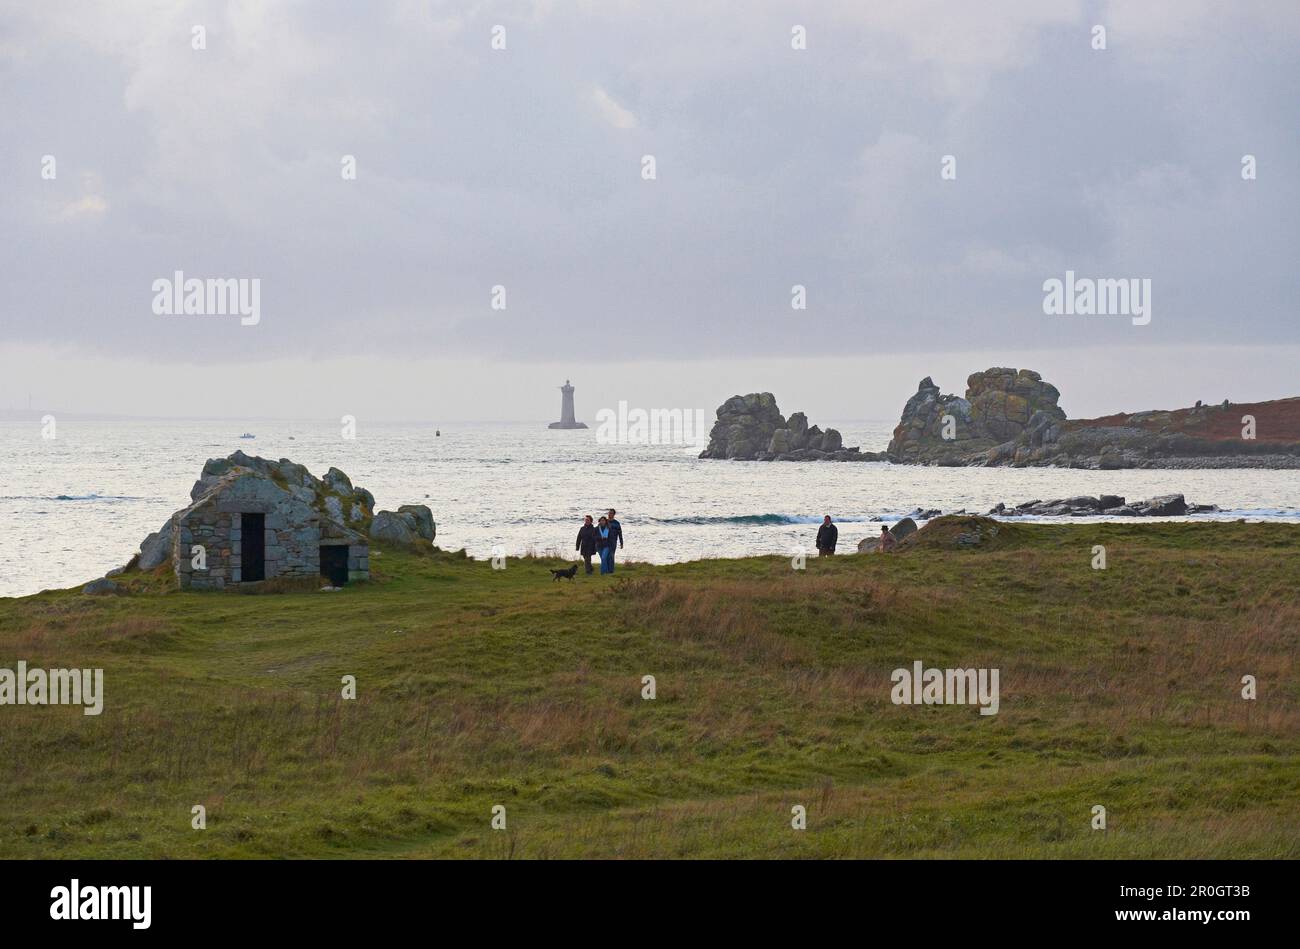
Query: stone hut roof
<point x="241" y="489"/>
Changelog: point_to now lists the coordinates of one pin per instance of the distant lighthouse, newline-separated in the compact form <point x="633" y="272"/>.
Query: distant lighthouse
<point x="567" y="418"/>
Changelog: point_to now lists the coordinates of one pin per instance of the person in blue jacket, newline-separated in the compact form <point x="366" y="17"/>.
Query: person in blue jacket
<point x="615" y="536"/>
<point x="604" y="546"/>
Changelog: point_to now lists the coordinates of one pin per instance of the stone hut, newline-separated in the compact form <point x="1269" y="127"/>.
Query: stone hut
<point x="252" y="529"/>
<point x="256" y="519"/>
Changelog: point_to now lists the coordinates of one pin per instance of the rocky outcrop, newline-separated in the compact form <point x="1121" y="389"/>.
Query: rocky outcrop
<point x="1109" y="505"/>
<point x="744" y="427"/>
<point x="409" y="524"/>
<point x="1000" y="406"/>
<point x="392" y="528"/>
<point x="1011" y="417"/>
<point x="100" y="587"/>
<point x="422" y="518"/>
<point x="752" y="428"/>
<point x="156" y="549"/>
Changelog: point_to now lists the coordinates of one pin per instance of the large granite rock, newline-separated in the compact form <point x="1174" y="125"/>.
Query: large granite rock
<point x="1000" y="406"/>
<point x="752" y="428"/>
<point x="744" y="427"/>
<point x="1167" y="505"/>
<point x="157" y="548"/>
<point x="1003" y="401"/>
<point x="392" y="527"/>
<point x="422" y="518"/>
<point x="408" y="525"/>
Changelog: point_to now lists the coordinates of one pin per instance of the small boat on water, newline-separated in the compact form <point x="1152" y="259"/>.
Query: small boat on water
<point x="247" y="435"/>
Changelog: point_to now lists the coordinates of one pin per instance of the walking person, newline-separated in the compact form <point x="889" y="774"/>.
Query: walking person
<point x="615" y="534"/>
<point x="827" y="537"/>
<point x="605" y="546"/>
<point x="586" y="543"/>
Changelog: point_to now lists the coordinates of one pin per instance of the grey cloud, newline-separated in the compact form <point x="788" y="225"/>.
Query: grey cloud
<point x="521" y="168"/>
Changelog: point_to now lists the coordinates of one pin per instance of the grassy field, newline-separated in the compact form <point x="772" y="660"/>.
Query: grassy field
<point x="476" y="687"/>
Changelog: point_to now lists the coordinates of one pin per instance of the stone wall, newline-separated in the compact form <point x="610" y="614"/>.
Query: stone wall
<point x="358" y="562"/>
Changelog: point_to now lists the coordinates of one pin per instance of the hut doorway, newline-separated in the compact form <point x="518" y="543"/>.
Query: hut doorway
<point x="252" y="547"/>
<point x="334" y="564"/>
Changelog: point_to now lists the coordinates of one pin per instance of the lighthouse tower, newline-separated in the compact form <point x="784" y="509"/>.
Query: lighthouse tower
<point x="567" y="418"/>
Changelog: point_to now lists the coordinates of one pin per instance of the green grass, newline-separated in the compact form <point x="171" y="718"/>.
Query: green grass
<point x="479" y="687"/>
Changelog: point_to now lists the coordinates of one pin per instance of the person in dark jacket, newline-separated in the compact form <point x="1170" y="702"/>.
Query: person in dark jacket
<point x="587" y="538"/>
<point x="615" y="535"/>
<point x="827" y="536"/>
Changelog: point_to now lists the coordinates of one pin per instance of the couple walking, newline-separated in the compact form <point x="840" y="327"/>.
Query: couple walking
<point x="601" y="539"/>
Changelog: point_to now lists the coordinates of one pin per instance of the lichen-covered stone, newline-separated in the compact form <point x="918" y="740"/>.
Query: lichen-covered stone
<point x="752" y="428"/>
<point x="424" y="525"/>
<point x="100" y="587"/>
<point x="1003" y="411"/>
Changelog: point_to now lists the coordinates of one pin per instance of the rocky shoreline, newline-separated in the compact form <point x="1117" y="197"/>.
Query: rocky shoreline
<point x="1108" y="505"/>
<point x="1011" y="417"/>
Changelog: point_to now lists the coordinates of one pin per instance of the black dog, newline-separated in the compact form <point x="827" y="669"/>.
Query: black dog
<point x="566" y="574"/>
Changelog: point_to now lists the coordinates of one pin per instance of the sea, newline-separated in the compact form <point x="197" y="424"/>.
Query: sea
<point x="79" y="503"/>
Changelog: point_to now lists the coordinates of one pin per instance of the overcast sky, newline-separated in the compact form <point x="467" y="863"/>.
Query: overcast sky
<point x="522" y="168"/>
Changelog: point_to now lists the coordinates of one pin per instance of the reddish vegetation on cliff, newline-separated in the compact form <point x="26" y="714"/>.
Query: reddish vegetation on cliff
<point x="1277" y="421"/>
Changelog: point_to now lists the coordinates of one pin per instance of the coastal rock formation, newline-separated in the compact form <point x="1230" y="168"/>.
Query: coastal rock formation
<point x="1011" y="417"/>
<point x="1110" y="505"/>
<point x="409" y="524"/>
<point x="752" y="428"/>
<point x="744" y="427"/>
<point x="392" y="528"/>
<point x="423" y="518"/>
<point x="1000" y="406"/>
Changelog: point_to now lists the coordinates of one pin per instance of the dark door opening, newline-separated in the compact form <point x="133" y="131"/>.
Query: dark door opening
<point x="252" y="547"/>
<point x="334" y="564"/>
